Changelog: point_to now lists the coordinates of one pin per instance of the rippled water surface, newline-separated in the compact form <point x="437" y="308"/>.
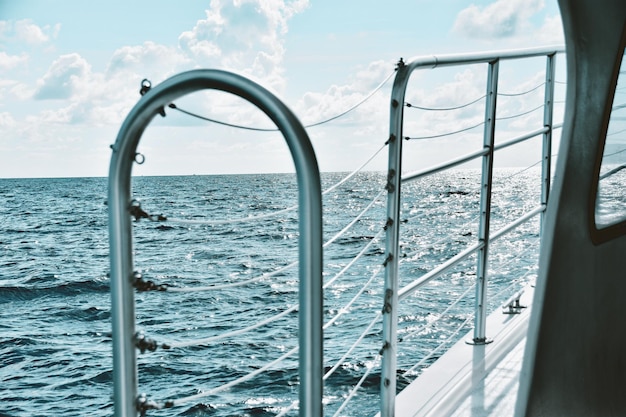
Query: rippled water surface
<point x="55" y="352"/>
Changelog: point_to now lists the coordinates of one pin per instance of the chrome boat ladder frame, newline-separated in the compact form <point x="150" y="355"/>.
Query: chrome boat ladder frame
<point x="120" y="204"/>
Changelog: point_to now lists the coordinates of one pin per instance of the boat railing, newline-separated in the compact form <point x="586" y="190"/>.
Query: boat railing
<point x="393" y="293"/>
<point x="122" y="206"/>
<point x="354" y="253"/>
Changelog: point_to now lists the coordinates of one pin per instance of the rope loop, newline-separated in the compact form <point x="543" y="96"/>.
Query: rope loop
<point x="143" y="404"/>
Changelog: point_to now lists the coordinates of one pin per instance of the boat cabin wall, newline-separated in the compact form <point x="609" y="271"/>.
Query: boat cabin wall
<point x="575" y="362"/>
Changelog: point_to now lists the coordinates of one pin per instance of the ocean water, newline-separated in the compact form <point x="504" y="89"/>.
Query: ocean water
<point x="55" y="349"/>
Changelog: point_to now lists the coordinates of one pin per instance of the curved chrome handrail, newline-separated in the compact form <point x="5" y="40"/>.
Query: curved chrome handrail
<point x="120" y="234"/>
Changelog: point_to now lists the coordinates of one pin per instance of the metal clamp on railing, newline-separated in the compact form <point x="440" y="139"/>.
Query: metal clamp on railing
<point x="143" y="404"/>
<point x="512" y="305"/>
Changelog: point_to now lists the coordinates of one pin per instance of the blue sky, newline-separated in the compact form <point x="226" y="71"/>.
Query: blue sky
<point x="71" y="71"/>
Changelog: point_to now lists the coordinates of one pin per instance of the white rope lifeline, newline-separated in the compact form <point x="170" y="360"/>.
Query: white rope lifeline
<point x="251" y="219"/>
<point x="356" y="388"/>
<point x="278" y="316"/>
<point x="226" y="335"/>
<point x="234" y="284"/>
<point x="237" y="381"/>
<point x="356" y="219"/>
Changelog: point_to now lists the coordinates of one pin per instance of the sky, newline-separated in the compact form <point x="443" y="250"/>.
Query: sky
<point x="70" y="71"/>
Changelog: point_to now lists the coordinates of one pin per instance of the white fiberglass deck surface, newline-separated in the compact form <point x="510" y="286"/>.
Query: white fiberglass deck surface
<point x="473" y="381"/>
<point x="496" y="394"/>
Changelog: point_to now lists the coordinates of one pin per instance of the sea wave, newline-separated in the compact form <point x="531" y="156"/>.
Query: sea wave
<point x="55" y="304"/>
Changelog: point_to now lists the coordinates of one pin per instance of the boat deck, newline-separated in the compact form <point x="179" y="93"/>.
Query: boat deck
<point x="473" y="380"/>
<point x="495" y="395"/>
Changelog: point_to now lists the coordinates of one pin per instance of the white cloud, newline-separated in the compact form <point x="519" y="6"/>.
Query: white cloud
<point x="30" y="33"/>
<point x="149" y="59"/>
<point x="243" y="35"/>
<point x="26" y="31"/>
<point x="85" y="97"/>
<point x="63" y="78"/>
<point x="22" y="91"/>
<point x="11" y="61"/>
<point x="5" y="26"/>
<point x="354" y="136"/>
<point x="464" y="91"/>
<point x="518" y="112"/>
<point x="65" y="115"/>
<point x="6" y="120"/>
<point x="551" y="32"/>
<point x="503" y="18"/>
<point x="101" y="98"/>
<point x="6" y="86"/>
<point x="315" y="107"/>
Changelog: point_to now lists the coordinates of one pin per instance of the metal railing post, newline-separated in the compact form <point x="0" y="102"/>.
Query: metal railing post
<point x="122" y="291"/>
<point x="546" y="149"/>
<point x="393" y="294"/>
<point x="392" y="246"/>
<point x="480" y="337"/>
